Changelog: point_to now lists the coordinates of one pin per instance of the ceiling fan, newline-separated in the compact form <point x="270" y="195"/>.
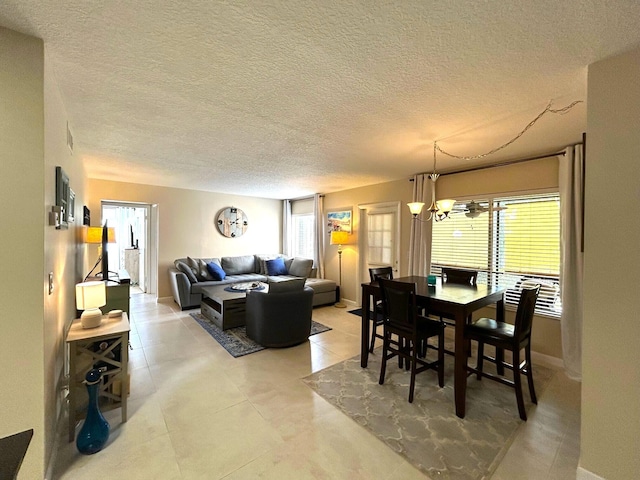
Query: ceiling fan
<point x="473" y="209"/>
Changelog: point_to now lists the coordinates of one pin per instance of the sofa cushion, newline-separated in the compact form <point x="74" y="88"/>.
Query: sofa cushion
<point x="184" y="268"/>
<point x="288" y="286"/>
<point x="238" y="265"/>
<point x="276" y="267"/>
<point x="216" y="272"/>
<point x="194" y="264"/>
<point x="261" y="262"/>
<point x="203" y="271"/>
<point x="301" y="267"/>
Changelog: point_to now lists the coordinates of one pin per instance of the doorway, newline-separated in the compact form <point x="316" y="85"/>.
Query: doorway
<point x="379" y="240"/>
<point x="132" y="249"/>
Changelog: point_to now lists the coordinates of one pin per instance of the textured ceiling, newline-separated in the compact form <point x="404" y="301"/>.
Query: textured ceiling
<point x="281" y="99"/>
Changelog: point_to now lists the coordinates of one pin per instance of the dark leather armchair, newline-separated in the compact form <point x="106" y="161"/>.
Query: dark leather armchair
<point x="279" y="319"/>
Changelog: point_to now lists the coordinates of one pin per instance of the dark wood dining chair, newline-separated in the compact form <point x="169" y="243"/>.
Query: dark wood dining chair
<point x="374" y="275"/>
<point x="400" y="318"/>
<point x="514" y="338"/>
<point x="460" y="277"/>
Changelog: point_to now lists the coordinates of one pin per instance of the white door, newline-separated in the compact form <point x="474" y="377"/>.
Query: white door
<point x="379" y="242"/>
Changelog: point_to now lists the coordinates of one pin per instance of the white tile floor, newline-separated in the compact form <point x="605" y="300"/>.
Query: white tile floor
<point x="195" y="412"/>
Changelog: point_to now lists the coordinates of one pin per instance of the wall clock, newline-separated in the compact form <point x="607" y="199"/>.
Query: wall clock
<point x="232" y="222"/>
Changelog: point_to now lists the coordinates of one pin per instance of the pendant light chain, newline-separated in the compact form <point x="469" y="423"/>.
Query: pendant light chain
<point x="548" y="109"/>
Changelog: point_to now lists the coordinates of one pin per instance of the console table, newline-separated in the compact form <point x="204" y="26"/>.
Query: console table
<point x="104" y="347"/>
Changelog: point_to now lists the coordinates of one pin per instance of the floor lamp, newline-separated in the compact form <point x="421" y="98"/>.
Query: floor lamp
<point x="339" y="238"/>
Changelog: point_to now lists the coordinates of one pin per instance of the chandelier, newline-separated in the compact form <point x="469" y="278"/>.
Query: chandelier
<point x="437" y="210"/>
<point x="440" y="210"/>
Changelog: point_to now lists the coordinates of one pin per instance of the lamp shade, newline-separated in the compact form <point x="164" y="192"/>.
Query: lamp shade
<point x="415" y="207"/>
<point x="94" y="235"/>
<point x="446" y="205"/>
<point x="90" y="295"/>
<point x="339" y="237"/>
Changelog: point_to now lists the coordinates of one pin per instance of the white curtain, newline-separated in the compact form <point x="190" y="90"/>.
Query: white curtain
<point x="318" y="211"/>
<point x="571" y="180"/>
<point x="286" y="227"/>
<point x="420" y="240"/>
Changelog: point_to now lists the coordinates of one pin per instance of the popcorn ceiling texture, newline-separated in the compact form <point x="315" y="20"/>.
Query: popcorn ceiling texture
<point x="280" y="99"/>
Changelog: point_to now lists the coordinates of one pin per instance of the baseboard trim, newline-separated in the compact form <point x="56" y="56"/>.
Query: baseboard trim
<point x="584" y="474"/>
<point x="547" y="359"/>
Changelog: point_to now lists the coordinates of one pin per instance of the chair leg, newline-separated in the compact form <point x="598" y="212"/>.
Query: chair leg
<point x="373" y="337"/>
<point x="517" y="383"/>
<point x="480" y="362"/>
<point x="467" y="345"/>
<point x="529" y="366"/>
<point x="441" y="358"/>
<point x="383" y="367"/>
<point x="500" y="361"/>
<point x="413" y="352"/>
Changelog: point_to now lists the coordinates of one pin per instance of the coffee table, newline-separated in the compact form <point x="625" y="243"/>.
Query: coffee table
<point x="225" y="309"/>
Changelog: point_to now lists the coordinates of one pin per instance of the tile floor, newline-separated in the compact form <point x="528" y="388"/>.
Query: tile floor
<point x="195" y="412"/>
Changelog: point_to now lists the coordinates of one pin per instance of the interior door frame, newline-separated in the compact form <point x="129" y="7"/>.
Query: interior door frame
<point x="151" y="248"/>
<point x="362" y="274"/>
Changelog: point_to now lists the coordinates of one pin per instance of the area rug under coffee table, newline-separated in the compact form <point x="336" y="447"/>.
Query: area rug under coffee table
<point x="235" y="340"/>
<point x="427" y="432"/>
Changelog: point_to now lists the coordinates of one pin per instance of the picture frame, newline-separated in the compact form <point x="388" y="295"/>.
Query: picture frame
<point x="71" y="216"/>
<point x="340" y="221"/>
<point x="62" y="197"/>
<point x="86" y="216"/>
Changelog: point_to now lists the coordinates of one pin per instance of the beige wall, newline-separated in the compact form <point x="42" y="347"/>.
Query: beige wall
<point x="187" y="222"/>
<point x="32" y="144"/>
<point x="610" y="438"/>
<point x="527" y="176"/>
<point x="62" y="254"/>
<point x="21" y="255"/>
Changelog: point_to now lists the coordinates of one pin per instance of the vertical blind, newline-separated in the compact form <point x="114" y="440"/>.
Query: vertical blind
<point x="513" y="242"/>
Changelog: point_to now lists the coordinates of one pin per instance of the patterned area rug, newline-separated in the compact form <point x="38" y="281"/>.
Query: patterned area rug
<point x="427" y="432"/>
<point x="235" y="340"/>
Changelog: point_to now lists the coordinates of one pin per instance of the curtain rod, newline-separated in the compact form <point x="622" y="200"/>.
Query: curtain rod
<point x="501" y="164"/>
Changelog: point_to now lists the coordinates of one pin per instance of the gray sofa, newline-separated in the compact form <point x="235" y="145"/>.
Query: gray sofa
<point x="190" y="275"/>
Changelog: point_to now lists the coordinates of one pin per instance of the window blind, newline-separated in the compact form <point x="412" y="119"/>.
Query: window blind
<point x="514" y="244"/>
<point x="303" y="231"/>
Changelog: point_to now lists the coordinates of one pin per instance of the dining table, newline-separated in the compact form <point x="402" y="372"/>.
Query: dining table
<point x="455" y="301"/>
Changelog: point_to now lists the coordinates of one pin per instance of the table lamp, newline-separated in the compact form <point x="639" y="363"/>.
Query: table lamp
<point x="339" y="238"/>
<point x="89" y="297"/>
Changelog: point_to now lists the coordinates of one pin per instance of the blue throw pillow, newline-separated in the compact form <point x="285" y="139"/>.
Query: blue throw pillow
<point x="276" y="267"/>
<point x="216" y="271"/>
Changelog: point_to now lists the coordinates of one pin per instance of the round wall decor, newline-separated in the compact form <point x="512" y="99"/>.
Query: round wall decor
<point x="232" y="222"/>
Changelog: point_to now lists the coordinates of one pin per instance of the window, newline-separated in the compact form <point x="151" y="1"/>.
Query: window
<point x="380" y="231"/>
<point x="301" y="237"/>
<point x="303" y="228"/>
<point x="513" y="242"/>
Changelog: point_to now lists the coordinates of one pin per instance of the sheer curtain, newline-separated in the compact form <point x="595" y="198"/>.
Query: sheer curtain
<point x="286" y="227"/>
<point x="420" y="239"/>
<point x="318" y="211"/>
<point x="571" y="178"/>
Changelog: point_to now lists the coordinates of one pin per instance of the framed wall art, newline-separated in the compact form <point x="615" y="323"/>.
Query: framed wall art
<point x="62" y="197"/>
<point x="86" y="216"/>
<point x="339" y="221"/>
<point x="71" y="203"/>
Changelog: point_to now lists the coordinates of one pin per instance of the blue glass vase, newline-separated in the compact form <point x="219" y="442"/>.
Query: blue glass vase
<point x="95" y="429"/>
